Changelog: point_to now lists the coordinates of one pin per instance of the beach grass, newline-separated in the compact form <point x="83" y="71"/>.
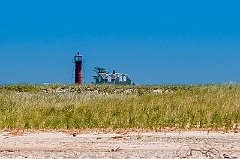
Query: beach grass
<point x="70" y="106"/>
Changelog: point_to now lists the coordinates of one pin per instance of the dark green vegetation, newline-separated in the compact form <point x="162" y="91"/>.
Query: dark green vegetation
<point x="108" y="106"/>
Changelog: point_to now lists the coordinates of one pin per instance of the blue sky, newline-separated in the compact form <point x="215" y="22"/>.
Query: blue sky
<point x="154" y="41"/>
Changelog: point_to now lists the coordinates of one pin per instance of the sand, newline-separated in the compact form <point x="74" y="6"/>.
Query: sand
<point x="122" y="144"/>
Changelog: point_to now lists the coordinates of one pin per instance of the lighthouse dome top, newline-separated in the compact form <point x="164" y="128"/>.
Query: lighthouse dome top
<point x="78" y="54"/>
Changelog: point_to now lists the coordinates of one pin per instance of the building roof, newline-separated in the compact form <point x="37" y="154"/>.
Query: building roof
<point x="104" y="75"/>
<point x="113" y="76"/>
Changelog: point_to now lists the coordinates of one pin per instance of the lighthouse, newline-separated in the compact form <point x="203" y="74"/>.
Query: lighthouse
<point x="78" y="68"/>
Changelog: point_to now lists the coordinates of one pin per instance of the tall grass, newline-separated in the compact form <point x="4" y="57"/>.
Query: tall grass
<point x="106" y="106"/>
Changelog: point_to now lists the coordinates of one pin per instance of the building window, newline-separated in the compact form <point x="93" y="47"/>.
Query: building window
<point x="120" y="78"/>
<point x="124" y="78"/>
<point x="109" y="78"/>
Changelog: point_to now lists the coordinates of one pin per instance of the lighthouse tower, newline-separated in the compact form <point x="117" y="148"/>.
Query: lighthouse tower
<point x="78" y="68"/>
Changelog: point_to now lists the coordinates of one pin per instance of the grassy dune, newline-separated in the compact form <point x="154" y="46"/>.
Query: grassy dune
<point x="106" y="106"/>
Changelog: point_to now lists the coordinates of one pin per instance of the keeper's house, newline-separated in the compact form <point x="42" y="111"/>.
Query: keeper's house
<point x="113" y="78"/>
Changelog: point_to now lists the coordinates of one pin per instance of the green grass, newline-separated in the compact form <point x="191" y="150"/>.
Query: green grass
<point x="108" y="106"/>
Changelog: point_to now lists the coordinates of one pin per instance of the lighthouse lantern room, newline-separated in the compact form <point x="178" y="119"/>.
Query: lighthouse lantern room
<point x="78" y="68"/>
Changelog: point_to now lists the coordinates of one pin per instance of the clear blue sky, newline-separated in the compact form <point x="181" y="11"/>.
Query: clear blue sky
<point x="154" y="41"/>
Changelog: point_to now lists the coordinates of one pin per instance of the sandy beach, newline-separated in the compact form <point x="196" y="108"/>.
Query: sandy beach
<point x="122" y="144"/>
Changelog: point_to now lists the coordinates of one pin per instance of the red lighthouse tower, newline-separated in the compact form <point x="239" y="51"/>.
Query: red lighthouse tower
<point x="78" y="68"/>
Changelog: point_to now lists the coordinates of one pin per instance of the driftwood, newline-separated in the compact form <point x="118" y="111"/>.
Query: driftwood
<point x="210" y="152"/>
